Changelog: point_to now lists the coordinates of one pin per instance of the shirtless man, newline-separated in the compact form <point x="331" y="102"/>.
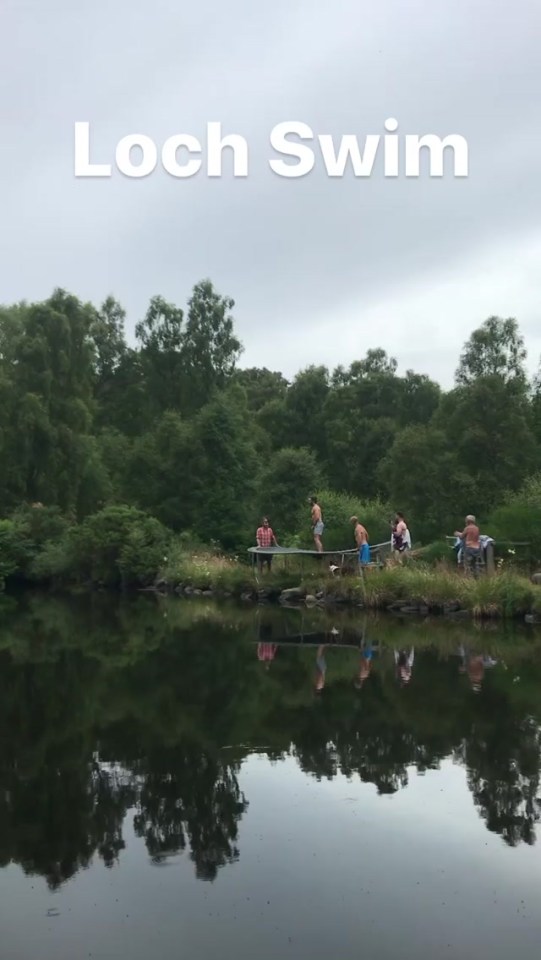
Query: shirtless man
<point x="317" y="524"/>
<point x="471" y="539"/>
<point x="361" y="539"/>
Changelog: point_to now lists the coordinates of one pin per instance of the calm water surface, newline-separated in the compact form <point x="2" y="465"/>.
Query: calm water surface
<point x="183" y="780"/>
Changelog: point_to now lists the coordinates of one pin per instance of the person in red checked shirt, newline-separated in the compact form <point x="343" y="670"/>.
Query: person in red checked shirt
<point x="265" y="538"/>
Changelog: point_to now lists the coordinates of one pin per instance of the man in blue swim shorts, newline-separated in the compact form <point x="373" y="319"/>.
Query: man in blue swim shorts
<point x="361" y="539"/>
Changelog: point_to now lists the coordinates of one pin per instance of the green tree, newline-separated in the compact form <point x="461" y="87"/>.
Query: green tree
<point x="262" y="386"/>
<point x="495" y="349"/>
<point x="287" y="480"/>
<point x="419" y="399"/>
<point x="161" y="338"/>
<point x="210" y="349"/>
<point x="110" y="350"/>
<point x="356" y="447"/>
<point x="219" y="479"/>
<point x="426" y="481"/>
<point x="50" y="413"/>
<point x="158" y="476"/>
<point x="337" y="509"/>
<point x="304" y="406"/>
<point x="488" y="425"/>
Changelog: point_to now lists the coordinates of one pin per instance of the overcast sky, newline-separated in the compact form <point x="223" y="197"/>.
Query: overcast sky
<point x="321" y="269"/>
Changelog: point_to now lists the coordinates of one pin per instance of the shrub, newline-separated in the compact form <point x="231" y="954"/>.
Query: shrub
<point x="37" y="529"/>
<point x="10" y="553"/>
<point x="337" y="508"/>
<point x="520" y="519"/>
<point x="119" y="545"/>
<point x="437" y="553"/>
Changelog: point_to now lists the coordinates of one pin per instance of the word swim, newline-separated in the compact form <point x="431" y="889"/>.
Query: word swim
<point x="182" y="155"/>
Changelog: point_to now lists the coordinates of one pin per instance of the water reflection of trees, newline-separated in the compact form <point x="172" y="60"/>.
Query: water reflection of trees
<point x="187" y="795"/>
<point x="109" y="713"/>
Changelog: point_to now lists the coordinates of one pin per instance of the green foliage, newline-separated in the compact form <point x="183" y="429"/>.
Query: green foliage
<point x="220" y="476"/>
<point x="171" y="427"/>
<point x="487" y="425"/>
<point x="519" y="519"/>
<point x="496" y="349"/>
<point x="28" y="533"/>
<point x="428" y="480"/>
<point x="289" y="476"/>
<point x="437" y="553"/>
<point x="9" y="550"/>
<point x="505" y="595"/>
<point x="120" y="545"/>
<point x="337" y="509"/>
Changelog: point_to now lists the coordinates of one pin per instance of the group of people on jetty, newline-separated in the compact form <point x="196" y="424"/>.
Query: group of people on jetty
<point x="469" y="544"/>
<point x="400" y="535"/>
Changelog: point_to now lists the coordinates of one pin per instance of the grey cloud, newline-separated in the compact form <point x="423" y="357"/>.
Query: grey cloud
<point x="292" y="253"/>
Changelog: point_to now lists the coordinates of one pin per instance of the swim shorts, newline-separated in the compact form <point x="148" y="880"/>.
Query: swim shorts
<point x="364" y="553"/>
<point x="319" y="528"/>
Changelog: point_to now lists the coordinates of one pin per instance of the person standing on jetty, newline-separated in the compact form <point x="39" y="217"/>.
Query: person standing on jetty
<point x="401" y="539"/>
<point x="471" y="540"/>
<point x="265" y="538"/>
<point x="317" y="523"/>
<point x="361" y="539"/>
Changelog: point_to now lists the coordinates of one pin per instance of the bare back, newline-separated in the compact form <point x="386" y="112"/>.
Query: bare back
<point x="361" y="535"/>
<point x="471" y="535"/>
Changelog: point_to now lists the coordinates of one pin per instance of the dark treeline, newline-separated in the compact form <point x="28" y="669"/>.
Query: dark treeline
<point x="173" y="426"/>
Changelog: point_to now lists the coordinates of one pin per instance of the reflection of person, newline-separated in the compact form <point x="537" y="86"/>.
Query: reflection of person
<point x="365" y="664"/>
<point x="265" y="538"/>
<point x="317" y="524"/>
<point x="266" y="652"/>
<point x="361" y="539"/>
<point x="404" y="665"/>
<point x="321" y="668"/>
<point x="475" y="665"/>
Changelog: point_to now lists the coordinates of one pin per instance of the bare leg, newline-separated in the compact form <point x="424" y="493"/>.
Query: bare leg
<point x="318" y="543"/>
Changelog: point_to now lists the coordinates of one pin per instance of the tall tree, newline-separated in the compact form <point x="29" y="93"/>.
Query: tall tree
<point x="262" y="386"/>
<point x="51" y="407"/>
<point x="210" y="349"/>
<point x="287" y="479"/>
<point x="495" y="349"/>
<point x="419" y="399"/>
<point x="426" y="480"/>
<point x="488" y="424"/>
<point x="219" y="478"/>
<point x="304" y="404"/>
<point x="161" y="338"/>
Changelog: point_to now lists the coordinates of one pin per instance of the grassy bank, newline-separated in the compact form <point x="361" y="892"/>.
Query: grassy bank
<point x="123" y="548"/>
<point x="416" y="589"/>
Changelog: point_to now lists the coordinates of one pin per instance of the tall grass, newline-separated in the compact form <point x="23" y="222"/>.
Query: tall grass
<point x="504" y="595"/>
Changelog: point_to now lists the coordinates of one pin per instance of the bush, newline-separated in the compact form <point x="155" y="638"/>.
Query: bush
<point x="37" y="529"/>
<point x="337" y="508"/>
<point x="437" y="553"/>
<point x="120" y="545"/>
<point x="10" y="553"/>
<point x="520" y="520"/>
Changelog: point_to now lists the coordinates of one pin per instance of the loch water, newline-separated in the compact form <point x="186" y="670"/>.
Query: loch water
<point x="185" y="779"/>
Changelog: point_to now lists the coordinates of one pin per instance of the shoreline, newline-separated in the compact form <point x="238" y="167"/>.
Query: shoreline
<point x="396" y="591"/>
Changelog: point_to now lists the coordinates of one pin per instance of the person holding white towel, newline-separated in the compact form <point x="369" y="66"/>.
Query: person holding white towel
<point x="401" y="535"/>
